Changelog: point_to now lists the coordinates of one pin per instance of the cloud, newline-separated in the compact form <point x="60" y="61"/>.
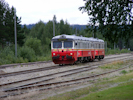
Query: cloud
<point x="32" y="11"/>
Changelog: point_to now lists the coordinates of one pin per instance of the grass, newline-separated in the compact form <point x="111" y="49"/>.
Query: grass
<point x="91" y="91"/>
<point x="113" y="65"/>
<point x="123" y="72"/>
<point x="122" y="92"/>
<point x="116" y="51"/>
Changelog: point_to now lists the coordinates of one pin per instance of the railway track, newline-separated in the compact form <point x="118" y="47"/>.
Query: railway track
<point x="77" y="70"/>
<point x="60" y="83"/>
<point x="39" y="69"/>
<point x="82" y="69"/>
<point x="30" y="63"/>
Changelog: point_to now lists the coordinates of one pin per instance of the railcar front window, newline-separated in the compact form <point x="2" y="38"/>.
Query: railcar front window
<point x="57" y="44"/>
<point x="68" y="44"/>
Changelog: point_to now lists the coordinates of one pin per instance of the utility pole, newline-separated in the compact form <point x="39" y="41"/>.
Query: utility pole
<point x="15" y="33"/>
<point x="53" y="27"/>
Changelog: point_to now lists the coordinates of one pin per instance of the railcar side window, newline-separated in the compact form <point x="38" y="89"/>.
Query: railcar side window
<point x="94" y="45"/>
<point x="78" y="45"/>
<point x="68" y="44"/>
<point x="57" y="44"/>
<point x="91" y="45"/>
<point x="99" y="46"/>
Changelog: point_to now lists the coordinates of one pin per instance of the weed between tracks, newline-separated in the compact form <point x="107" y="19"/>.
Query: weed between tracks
<point x="114" y="65"/>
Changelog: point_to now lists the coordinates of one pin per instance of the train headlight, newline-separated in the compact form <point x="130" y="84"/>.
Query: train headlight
<point x="71" y="53"/>
<point x="54" y="54"/>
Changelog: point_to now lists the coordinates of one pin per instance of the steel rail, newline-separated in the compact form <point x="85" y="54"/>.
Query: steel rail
<point x="39" y="62"/>
<point x="29" y="63"/>
<point x="36" y="85"/>
<point x="35" y="70"/>
<point x="93" y="64"/>
<point x="57" y="83"/>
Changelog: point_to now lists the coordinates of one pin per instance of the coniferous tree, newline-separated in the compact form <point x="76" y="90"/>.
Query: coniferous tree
<point x="2" y="24"/>
<point x="7" y="25"/>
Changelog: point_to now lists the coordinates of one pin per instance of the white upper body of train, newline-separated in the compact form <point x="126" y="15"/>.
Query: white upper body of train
<point x="76" y="42"/>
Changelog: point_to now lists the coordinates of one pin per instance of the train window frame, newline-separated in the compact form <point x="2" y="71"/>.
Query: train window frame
<point x="56" y="47"/>
<point x="80" y="43"/>
<point x="77" y="44"/>
<point x="85" y="45"/>
<point x="88" y="45"/>
<point x="92" y="45"/>
<point x="67" y="45"/>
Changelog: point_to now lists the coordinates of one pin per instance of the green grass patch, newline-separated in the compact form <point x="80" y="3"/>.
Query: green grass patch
<point x="102" y="83"/>
<point x="122" y="92"/>
<point x="123" y="72"/>
<point x="113" y="65"/>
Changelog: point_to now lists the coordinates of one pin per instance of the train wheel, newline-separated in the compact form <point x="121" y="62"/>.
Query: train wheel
<point x="92" y="59"/>
<point x="99" y="58"/>
<point x="75" y="63"/>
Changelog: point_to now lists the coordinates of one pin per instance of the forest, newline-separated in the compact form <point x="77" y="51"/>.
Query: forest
<point x="33" y="43"/>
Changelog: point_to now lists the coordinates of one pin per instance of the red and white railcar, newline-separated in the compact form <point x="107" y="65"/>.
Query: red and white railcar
<point x="68" y="49"/>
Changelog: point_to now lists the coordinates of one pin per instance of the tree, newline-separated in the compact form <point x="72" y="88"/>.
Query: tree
<point x="38" y="30"/>
<point x="25" y="30"/>
<point x="7" y="25"/>
<point x="109" y="15"/>
<point x="2" y="27"/>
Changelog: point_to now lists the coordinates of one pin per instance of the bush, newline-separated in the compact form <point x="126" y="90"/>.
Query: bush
<point x="35" y="44"/>
<point x="24" y="54"/>
<point x="6" y="56"/>
<point x="116" y="51"/>
<point x="27" y="53"/>
<point x="124" y="51"/>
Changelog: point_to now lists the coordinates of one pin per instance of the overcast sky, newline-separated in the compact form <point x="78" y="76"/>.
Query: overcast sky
<point x="31" y="11"/>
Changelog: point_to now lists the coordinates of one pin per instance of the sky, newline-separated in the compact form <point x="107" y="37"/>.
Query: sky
<point x="32" y="11"/>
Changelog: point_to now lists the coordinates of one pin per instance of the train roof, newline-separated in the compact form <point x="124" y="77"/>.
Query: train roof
<point x="74" y="37"/>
